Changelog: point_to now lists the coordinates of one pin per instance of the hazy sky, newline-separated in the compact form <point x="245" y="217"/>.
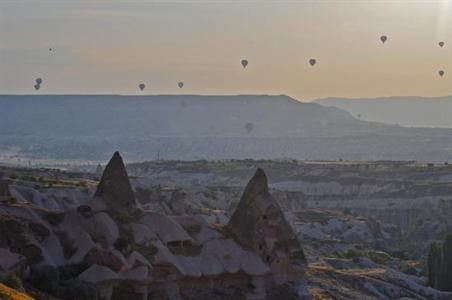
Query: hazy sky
<point x="111" y="46"/>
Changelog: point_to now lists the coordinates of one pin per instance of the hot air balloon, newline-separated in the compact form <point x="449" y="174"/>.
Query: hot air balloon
<point x="50" y="49"/>
<point x="441" y="73"/>
<point x="141" y="86"/>
<point x="38" y="80"/>
<point x="249" y="127"/>
<point x="383" y="38"/>
<point x="312" y="61"/>
<point x="244" y="63"/>
<point x="441" y="44"/>
<point x="37" y="86"/>
<point x="180" y="84"/>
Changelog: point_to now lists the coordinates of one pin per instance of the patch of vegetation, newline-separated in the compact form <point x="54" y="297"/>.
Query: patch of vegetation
<point x="13" y="281"/>
<point x="378" y="257"/>
<point x="11" y="201"/>
<point x="48" y="181"/>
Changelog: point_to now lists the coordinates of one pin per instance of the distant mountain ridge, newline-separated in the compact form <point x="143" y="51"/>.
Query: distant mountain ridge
<point x="406" y="111"/>
<point x="213" y="127"/>
<point x="165" y="115"/>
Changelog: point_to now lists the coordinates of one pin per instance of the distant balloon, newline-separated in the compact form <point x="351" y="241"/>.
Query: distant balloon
<point x="383" y="38"/>
<point x="37" y="86"/>
<point x="244" y="63"/>
<point x="441" y="73"/>
<point x="312" y="61"/>
<point x="38" y="80"/>
<point x="141" y="86"/>
<point x="180" y="84"/>
<point x="50" y="49"/>
<point x="249" y="127"/>
<point x="441" y="44"/>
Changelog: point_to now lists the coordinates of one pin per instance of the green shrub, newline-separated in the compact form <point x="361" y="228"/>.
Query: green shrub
<point x="13" y="281"/>
<point x="12" y="200"/>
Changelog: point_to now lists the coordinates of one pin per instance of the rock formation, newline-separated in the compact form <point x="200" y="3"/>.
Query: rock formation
<point x="114" y="187"/>
<point x="258" y="224"/>
<point x="109" y="249"/>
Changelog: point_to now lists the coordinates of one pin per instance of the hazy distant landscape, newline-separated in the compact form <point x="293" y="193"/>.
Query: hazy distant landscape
<point x="406" y="111"/>
<point x="226" y="150"/>
<point x="89" y="128"/>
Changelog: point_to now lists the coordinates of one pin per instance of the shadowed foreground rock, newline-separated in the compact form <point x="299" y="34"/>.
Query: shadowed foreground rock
<point x="109" y="248"/>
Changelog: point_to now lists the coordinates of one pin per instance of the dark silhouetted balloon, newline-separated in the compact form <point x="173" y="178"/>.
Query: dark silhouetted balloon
<point x="441" y="44"/>
<point x="141" y="86"/>
<point x="244" y="63"/>
<point x="180" y="84"/>
<point x="441" y="73"/>
<point x="312" y="61"/>
<point x="249" y="127"/>
<point x="38" y="80"/>
<point x="37" y="86"/>
<point x="383" y="38"/>
<point x="50" y="49"/>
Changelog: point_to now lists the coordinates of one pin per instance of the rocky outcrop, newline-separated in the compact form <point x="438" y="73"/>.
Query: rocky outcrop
<point x="114" y="187"/>
<point x="258" y="224"/>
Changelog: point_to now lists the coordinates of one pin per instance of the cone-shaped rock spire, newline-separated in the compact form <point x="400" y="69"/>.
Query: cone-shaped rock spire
<point x="114" y="186"/>
<point x="258" y="223"/>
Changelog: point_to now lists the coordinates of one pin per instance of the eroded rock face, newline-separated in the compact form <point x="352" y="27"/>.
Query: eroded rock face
<point x="114" y="186"/>
<point x="258" y="224"/>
